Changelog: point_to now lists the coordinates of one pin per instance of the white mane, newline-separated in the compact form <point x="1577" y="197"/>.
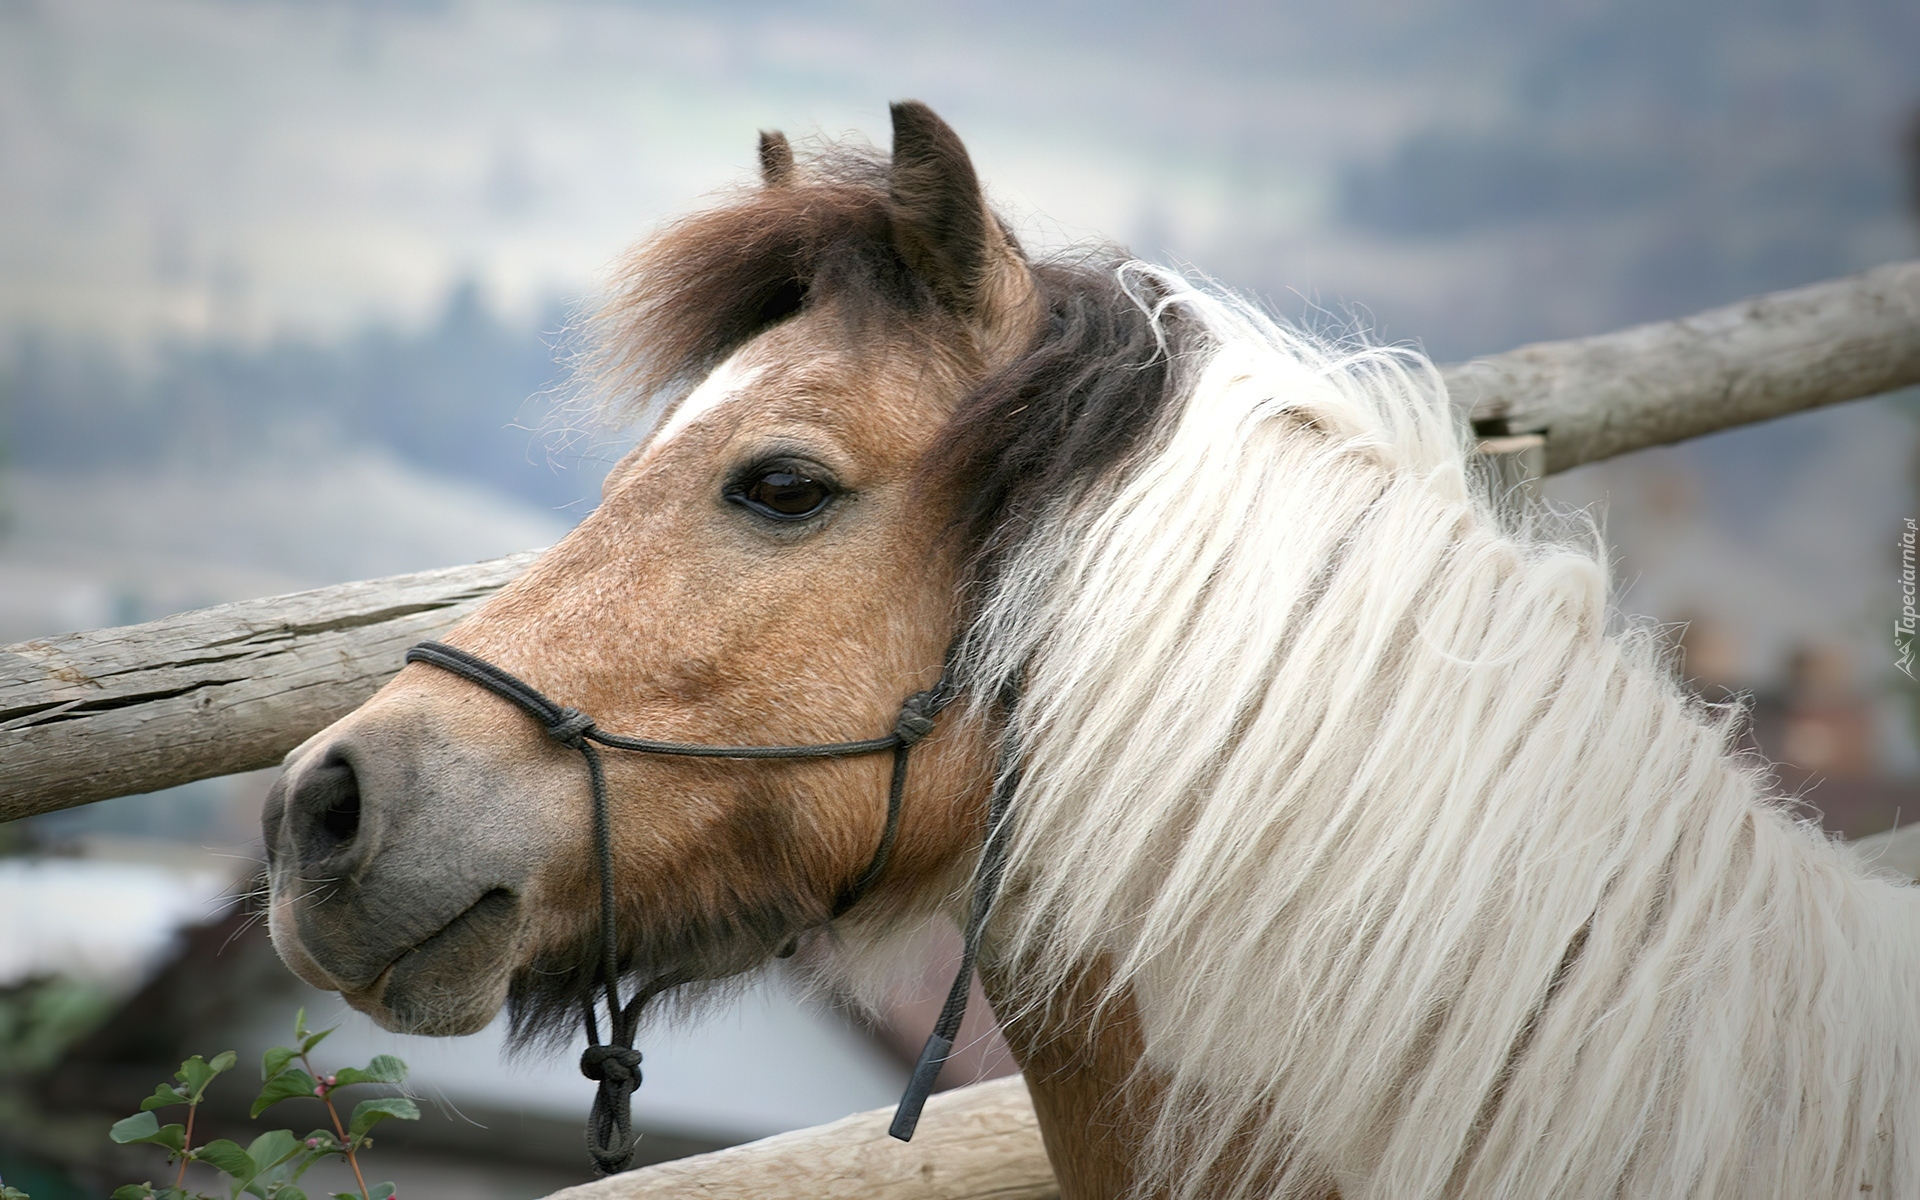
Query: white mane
<point x="1424" y="882"/>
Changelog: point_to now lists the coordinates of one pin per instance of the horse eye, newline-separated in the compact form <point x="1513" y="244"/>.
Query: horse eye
<point x="783" y="493"/>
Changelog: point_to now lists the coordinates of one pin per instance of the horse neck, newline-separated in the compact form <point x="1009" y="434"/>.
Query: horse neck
<point x="1379" y="829"/>
<point x="1080" y="1070"/>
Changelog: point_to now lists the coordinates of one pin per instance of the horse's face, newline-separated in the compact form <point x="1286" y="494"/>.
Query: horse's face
<point x="769" y="567"/>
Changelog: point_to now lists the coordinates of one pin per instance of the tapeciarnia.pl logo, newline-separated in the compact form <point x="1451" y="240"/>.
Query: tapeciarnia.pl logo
<point x="1904" y="624"/>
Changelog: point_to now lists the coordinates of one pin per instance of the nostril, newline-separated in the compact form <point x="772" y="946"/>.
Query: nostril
<point x="327" y="800"/>
<point x="341" y="819"/>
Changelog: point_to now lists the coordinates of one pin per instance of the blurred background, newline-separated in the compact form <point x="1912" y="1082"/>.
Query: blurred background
<point x="285" y="291"/>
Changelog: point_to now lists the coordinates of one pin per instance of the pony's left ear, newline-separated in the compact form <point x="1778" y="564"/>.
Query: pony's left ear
<point x="776" y="158"/>
<point x="946" y="234"/>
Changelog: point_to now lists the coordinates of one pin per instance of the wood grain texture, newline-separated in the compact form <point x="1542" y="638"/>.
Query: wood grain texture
<point x="974" y="1143"/>
<point x="1597" y="397"/>
<point x="88" y="716"/>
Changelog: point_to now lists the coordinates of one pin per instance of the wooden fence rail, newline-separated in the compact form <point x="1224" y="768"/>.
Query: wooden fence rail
<point x="109" y="712"/>
<point x="86" y="716"/>
<point x="1594" y="398"/>
<point x="974" y="1143"/>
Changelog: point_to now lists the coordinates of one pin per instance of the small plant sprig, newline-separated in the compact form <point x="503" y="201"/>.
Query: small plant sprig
<point x="271" y="1167"/>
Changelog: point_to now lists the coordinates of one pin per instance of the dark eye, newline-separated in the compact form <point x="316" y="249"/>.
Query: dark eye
<point x="781" y="491"/>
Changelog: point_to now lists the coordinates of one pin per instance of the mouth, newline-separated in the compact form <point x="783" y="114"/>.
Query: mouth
<point x="452" y="982"/>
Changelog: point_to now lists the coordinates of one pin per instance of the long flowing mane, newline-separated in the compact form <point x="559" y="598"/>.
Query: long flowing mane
<point x="1426" y="880"/>
<point x="1425" y="876"/>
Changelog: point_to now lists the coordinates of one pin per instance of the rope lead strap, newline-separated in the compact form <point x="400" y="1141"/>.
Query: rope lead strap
<point x="615" y="1064"/>
<point x="986" y="884"/>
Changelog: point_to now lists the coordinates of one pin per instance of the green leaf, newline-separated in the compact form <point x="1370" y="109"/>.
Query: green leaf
<point x="197" y="1073"/>
<point x="269" y="1150"/>
<point x="145" y="1127"/>
<point x="384" y="1068"/>
<point x="287" y="1085"/>
<point x="277" y="1182"/>
<point x="12" y="1193"/>
<point x="369" y="1113"/>
<point x="278" y="1158"/>
<point x="381" y="1191"/>
<point x="139" y="1125"/>
<point x="163" y="1095"/>
<point x="228" y="1157"/>
<point x="307" y="1038"/>
<point x="133" y="1191"/>
<point x="275" y="1060"/>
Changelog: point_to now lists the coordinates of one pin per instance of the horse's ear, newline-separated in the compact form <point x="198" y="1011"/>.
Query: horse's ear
<point x="946" y="234"/>
<point x="776" y="158"/>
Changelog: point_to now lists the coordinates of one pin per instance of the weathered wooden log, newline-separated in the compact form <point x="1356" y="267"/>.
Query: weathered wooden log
<point x="92" y="715"/>
<point x="974" y="1143"/>
<point x="1597" y="397"/>
<point x="87" y="716"/>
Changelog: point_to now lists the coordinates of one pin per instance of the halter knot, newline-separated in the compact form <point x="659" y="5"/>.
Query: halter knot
<point x="916" y="718"/>
<point x="568" y="726"/>
<point x="612" y="1064"/>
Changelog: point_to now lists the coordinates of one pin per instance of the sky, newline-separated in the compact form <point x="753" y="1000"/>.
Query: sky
<point x="1467" y="174"/>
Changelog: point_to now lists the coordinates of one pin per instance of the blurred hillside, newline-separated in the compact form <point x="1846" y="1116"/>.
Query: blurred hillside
<point x="209" y="470"/>
<point x="464" y="397"/>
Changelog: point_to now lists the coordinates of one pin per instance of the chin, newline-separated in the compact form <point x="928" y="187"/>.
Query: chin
<point x="430" y="1013"/>
<point x="445" y="987"/>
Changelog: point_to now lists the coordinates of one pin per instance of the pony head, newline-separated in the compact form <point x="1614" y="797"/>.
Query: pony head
<point x="855" y="376"/>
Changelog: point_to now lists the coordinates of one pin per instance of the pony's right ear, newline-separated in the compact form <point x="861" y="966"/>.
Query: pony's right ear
<point x="776" y="158"/>
<point x="945" y="233"/>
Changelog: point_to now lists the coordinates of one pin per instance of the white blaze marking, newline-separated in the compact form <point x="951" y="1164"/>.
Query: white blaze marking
<point x="727" y="381"/>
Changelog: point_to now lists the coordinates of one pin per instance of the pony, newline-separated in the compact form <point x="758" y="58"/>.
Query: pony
<point x="1354" y="845"/>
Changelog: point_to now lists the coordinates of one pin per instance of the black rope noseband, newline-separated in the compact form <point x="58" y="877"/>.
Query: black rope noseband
<point x="615" y="1064"/>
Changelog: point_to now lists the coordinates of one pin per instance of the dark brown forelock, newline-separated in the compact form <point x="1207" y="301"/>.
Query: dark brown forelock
<point x="706" y="284"/>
